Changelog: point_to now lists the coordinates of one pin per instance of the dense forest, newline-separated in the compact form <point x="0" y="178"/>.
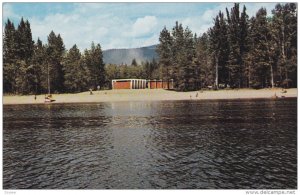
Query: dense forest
<point x="27" y="64"/>
<point x="237" y="52"/>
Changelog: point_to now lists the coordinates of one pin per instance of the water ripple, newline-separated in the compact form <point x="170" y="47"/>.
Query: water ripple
<point x="247" y="144"/>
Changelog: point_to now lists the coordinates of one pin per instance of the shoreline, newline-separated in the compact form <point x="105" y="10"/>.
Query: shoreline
<point x="126" y="95"/>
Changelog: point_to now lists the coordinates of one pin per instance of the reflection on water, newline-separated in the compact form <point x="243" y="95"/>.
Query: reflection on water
<point x="169" y="144"/>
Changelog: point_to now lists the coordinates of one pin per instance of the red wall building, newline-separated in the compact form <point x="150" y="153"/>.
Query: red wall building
<point x="129" y="84"/>
<point x="121" y="85"/>
<point x="159" y="84"/>
<point x="140" y="84"/>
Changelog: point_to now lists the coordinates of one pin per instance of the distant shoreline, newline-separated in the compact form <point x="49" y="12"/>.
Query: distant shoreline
<point x="152" y="95"/>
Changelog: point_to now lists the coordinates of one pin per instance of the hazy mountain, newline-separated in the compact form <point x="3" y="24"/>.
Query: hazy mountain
<point x="125" y="56"/>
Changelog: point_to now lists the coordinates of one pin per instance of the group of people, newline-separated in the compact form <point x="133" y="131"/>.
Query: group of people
<point x="91" y="90"/>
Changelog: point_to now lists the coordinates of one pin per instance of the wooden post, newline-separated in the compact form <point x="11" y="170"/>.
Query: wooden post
<point x="272" y="76"/>
<point x="134" y="84"/>
<point x="217" y="73"/>
<point x="131" y="83"/>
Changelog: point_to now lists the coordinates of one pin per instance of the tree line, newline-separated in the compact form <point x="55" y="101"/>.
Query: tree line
<point x="235" y="52"/>
<point x="33" y="67"/>
<point x="145" y="70"/>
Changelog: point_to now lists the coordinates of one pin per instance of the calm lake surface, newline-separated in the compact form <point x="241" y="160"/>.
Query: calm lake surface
<point x="232" y="144"/>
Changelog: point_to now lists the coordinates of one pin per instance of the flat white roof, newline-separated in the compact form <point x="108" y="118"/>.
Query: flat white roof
<point x="128" y="79"/>
<point x="140" y="80"/>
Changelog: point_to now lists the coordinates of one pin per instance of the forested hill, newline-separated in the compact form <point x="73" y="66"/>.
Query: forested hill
<point x="125" y="56"/>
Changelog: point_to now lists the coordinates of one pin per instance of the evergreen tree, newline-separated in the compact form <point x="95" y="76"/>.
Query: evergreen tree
<point x="178" y="56"/>
<point x="24" y="74"/>
<point x="248" y="57"/>
<point x="164" y="51"/>
<point x="55" y="53"/>
<point x="197" y="63"/>
<point x="101" y="65"/>
<point x="134" y="63"/>
<point x="219" y="49"/>
<point x="147" y="69"/>
<point x="123" y="71"/>
<point x="25" y="80"/>
<point x="155" y="69"/>
<point x="261" y="37"/>
<point x="9" y="42"/>
<point x="189" y="70"/>
<point x="39" y="67"/>
<point x="284" y="30"/>
<point x="76" y="74"/>
<point x="244" y="47"/>
<point x="237" y="34"/>
<point x="224" y="52"/>
<point x="203" y="59"/>
<point x="24" y="41"/>
<point x="93" y="59"/>
<point x="9" y="57"/>
<point x="112" y="71"/>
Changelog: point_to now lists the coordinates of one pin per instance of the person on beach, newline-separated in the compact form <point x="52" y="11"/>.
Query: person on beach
<point x="91" y="91"/>
<point x="196" y="94"/>
<point x="283" y="90"/>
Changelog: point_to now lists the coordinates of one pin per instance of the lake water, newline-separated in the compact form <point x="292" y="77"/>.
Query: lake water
<point x="228" y="144"/>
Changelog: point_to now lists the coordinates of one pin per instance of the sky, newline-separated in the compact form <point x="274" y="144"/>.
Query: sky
<point x="116" y="25"/>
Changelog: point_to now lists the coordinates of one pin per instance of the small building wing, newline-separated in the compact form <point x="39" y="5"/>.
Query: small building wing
<point x="141" y="84"/>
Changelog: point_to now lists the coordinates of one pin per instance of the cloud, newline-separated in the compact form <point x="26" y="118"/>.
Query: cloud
<point x="73" y="28"/>
<point x="118" y="25"/>
<point x="202" y="22"/>
<point x="144" y="26"/>
<point x="151" y="40"/>
<point x="68" y="26"/>
<point x="8" y="12"/>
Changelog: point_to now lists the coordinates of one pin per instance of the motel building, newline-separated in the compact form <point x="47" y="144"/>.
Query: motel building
<point x="140" y="84"/>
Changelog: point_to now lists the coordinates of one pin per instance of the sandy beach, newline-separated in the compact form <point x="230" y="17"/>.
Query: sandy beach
<point x="151" y="95"/>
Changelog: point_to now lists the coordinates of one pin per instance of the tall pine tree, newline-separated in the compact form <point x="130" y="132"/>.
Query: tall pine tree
<point x="39" y="67"/>
<point x="219" y="49"/>
<point x="55" y="53"/>
<point x="164" y="51"/>
<point x="237" y="34"/>
<point x="9" y="57"/>
<point x="284" y="31"/>
<point x="93" y="59"/>
<point x="203" y="59"/>
<point x="76" y="74"/>
<point x="260" y="51"/>
<point x="24" y="78"/>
